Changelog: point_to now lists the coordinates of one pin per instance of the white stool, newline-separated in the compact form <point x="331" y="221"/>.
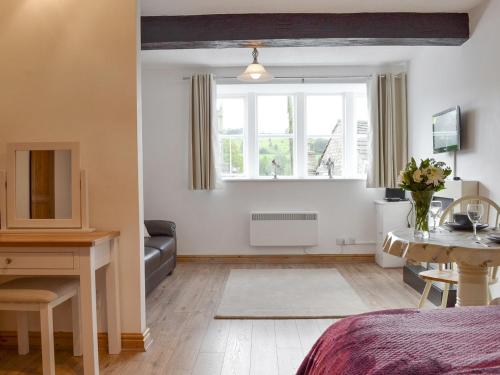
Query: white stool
<point x="42" y="294"/>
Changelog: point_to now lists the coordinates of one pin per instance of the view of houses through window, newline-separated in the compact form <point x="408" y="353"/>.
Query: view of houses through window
<point x="308" y="130"/>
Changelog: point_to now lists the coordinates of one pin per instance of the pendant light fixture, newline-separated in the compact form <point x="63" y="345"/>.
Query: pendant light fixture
<point x="255" y="72"/>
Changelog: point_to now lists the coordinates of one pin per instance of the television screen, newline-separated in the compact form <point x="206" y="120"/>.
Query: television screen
<point x="446" y="130"/>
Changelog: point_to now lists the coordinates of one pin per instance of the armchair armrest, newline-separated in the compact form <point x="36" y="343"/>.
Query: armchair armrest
<point x="160" y="227"/>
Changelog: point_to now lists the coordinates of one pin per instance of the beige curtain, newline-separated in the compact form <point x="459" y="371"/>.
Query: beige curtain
<point x="388" y="152"/>
<point x="202" y="153"/>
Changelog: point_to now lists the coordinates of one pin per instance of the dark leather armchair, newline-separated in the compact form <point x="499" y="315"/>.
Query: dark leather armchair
<point x="160" y="252"/>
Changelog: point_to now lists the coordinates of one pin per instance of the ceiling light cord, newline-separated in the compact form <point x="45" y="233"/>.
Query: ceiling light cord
<point x="255" y="55"/>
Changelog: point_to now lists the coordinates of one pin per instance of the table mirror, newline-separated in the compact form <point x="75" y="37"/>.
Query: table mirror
<point x="43" y="185"/>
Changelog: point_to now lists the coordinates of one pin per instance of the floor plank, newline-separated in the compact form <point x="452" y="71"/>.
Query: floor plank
<point x="264" y="357"/>
<point x="287" y="335"/>
<point x="215" y="340"/>
<point x="323" y="324"/>
<point x="208" y="364"/>
<point x="238" y="351"/>
<point x="188" y="347"/>
<point x="308" y="333"/>
<point x="289" y="360"/>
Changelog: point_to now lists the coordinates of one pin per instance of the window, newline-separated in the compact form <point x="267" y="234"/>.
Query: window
<point x="307" y="130"/>
<point x="325" y="134"/>
<point x="231" y="119"/>
<point x="276" y="128"/>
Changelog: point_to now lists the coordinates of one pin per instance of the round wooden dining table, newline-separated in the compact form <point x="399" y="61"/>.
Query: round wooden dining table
<point x="472" y="257"/>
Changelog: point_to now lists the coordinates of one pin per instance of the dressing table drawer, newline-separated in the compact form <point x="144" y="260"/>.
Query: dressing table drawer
<point x="37" y="260"/>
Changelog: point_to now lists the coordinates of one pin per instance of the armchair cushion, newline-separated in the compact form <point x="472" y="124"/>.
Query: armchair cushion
<point x="160" y="228"/>
<point x="160" y="250"/>
<point x="166" y="245"/>
<point x="152" y="259"/>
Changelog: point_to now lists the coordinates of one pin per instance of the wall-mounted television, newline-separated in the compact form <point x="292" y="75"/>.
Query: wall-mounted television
<point x="446" y="130"/>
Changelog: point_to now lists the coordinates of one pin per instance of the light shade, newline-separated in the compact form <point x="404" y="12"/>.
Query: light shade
<point x="255" y="72"/>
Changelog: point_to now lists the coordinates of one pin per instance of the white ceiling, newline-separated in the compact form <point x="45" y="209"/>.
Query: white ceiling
<point x="183" y="7"/>
<point x="304" y="56"/>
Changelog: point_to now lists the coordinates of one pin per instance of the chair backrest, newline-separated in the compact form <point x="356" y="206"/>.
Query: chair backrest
<point x="491" y="216"/>
<point x="491" y="209"/>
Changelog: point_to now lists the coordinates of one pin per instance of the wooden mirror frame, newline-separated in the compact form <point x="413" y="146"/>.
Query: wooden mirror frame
<point x="17" y="223"/>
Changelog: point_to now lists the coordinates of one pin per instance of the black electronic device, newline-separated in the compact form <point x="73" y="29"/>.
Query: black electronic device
<point x="395" y="195"/>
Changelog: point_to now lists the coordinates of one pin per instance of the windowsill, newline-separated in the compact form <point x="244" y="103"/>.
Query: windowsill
<point x="292" y="179"/>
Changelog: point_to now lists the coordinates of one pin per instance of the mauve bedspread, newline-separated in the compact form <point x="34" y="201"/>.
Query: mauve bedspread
<point x="413" y="342"/>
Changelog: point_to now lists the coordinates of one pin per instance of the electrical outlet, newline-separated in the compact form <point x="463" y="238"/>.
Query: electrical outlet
<point x="350" y="241"/>
<point x="340" y="241"/>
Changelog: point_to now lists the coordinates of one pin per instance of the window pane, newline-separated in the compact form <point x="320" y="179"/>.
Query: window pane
<point x="279" y="149"/>
<point x="231" y="156"/>
<point x="361" y="122"/>
<point x="275" y="114"/>
<point x="322" y="151"/>
<point x="231" y="115"/>
<point x="323" y="113"/>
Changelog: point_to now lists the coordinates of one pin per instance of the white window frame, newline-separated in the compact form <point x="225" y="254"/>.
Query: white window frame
<point x="356" y="137"/>
<point x="300" y="136"/>
<point x="292" y="136"/>
<point x="231" y="136"/>
<point x="349" y="156"/>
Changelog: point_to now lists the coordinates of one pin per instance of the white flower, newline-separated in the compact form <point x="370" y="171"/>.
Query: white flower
<point x="401" y="177"/>
<point x="436" y="176"/>
<point x="417" y="176"/>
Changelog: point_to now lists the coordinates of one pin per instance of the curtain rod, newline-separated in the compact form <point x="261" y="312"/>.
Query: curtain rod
<point x="300" y="78"/>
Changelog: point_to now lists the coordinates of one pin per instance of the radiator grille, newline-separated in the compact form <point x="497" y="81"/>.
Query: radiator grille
<point x="282" y="216"/>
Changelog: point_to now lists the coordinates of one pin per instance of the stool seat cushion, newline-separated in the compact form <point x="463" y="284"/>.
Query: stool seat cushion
<point x="37" y="289"/>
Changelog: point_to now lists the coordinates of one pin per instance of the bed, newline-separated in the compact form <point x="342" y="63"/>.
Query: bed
<point x="417" y="342"/>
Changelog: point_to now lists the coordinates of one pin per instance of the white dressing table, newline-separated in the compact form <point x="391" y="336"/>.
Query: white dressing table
<point x="79" y="254"/>
<point x="44" y="230"/>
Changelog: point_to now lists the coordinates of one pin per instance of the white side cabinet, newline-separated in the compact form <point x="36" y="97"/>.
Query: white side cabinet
<point x="458" y="189"/>
<point x="390" y="216"/>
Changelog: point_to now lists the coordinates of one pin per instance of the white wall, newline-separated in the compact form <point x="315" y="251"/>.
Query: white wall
<point x="69" y="73"/>
<point x="217" y="222"/>
<point x="469" y="76"/>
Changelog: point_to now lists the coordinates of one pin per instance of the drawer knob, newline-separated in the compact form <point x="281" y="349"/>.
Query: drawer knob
<point x="8" y="260"/>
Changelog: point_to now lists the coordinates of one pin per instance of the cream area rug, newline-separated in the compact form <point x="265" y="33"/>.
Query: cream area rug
<point x="288" y="294"/>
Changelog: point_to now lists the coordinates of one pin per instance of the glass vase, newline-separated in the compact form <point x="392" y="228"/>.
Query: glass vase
<point x="422" y="201"/>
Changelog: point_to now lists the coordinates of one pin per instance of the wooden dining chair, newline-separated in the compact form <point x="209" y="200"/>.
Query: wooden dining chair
<point x="449" y="276"/>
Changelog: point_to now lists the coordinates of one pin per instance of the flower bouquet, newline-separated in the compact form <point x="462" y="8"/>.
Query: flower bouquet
<point x="423" y="181"/>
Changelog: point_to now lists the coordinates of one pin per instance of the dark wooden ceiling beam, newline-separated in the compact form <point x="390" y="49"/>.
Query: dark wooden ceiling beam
<point x="304" y="29"/>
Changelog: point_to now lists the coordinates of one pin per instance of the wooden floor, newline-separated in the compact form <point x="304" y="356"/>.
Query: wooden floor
<point x="188" y="341"/>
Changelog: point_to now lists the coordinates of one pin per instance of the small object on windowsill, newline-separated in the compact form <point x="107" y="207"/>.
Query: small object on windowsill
<point x="330" y="164"/>
<point x="276" y="166"/>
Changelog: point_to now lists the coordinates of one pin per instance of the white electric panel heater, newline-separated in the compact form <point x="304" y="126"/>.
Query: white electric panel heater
<point x="284" y="228"/>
